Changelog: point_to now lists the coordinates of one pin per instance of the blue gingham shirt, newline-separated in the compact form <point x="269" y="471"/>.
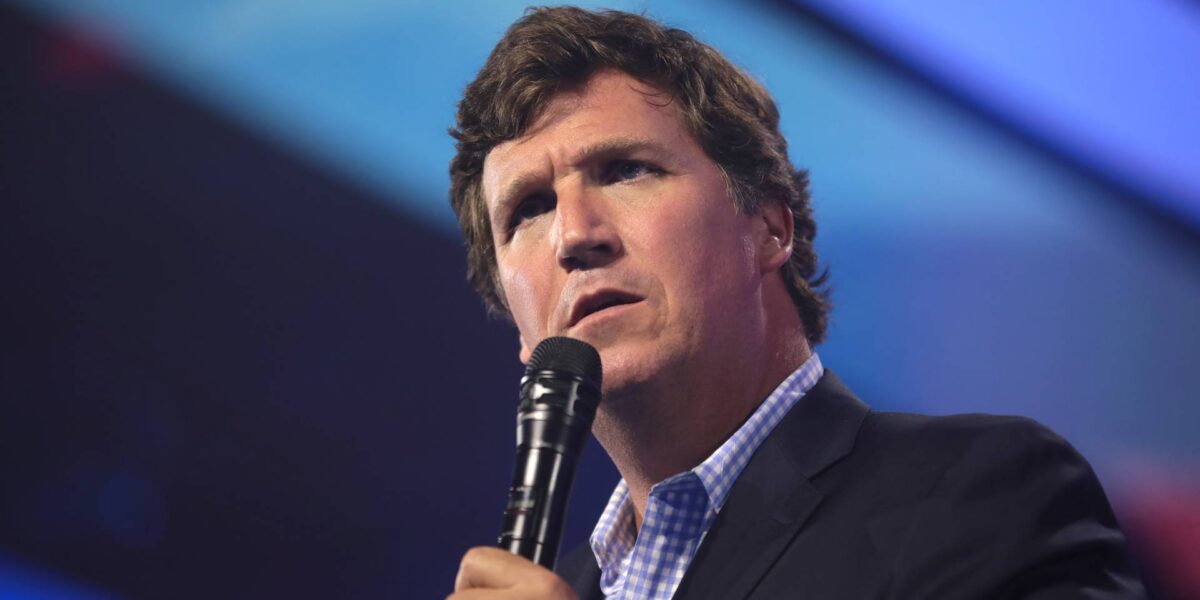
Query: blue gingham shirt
<point x="649" y="564"/>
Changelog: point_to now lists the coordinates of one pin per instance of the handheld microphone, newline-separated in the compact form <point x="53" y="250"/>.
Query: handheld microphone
<point x="559" y="395"/>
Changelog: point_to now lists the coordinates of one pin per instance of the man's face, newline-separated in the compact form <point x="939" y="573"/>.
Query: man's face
<point x="612" y="226"/>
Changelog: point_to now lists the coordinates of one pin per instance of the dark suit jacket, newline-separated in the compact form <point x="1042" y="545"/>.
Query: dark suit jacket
<point x="843" y="502"/>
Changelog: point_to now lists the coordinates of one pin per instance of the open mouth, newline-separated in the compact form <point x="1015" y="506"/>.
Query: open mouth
<point x="595" y="303"/>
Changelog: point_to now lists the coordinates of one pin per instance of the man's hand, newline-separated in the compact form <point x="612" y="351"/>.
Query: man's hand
<point x="492" y="573"/>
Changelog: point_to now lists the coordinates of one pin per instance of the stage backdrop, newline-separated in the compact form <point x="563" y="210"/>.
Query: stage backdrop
<point x="240" y="360"/>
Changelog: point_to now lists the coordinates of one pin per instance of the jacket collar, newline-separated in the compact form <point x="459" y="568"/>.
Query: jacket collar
<point x="774" y="496"/>
<point x="769" y="504"/>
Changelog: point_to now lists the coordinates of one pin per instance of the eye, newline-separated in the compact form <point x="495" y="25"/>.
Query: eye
<point x="627" y="170"/>
<point x="529" y="209"/>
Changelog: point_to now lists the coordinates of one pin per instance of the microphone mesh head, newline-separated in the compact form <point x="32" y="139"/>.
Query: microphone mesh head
<point x="566" y="354"/>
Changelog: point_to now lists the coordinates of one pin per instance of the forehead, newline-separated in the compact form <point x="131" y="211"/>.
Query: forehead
<point x="610" y="105"/>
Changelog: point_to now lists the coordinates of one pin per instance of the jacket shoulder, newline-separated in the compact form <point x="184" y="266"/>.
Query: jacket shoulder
<point x="965" y="440"/>
<point x="1014" y="503"/>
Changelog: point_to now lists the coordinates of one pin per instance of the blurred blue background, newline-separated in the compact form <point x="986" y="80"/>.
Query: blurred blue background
<point x="240" y="359"/>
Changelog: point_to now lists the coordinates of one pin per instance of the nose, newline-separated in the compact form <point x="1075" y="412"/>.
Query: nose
<point x="585" y="235"/>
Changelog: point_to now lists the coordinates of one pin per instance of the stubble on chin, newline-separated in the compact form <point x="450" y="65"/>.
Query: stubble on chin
<point x="636" y="382"/>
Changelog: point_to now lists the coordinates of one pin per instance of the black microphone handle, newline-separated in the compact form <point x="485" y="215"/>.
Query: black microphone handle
<point x="552" y="426"/>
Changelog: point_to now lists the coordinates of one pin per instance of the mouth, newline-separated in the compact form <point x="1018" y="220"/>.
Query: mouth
<point x="590" y="304"/>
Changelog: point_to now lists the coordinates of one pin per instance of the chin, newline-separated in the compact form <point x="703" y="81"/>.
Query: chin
<point x="633" y="371"/>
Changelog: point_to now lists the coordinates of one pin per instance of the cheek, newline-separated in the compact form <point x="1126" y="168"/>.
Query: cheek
<point x="527" y="300"/>
<point x="708" y="244"/>
<point x="714" y="259"/>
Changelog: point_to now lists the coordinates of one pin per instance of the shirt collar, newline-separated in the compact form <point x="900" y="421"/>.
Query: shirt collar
<point x="719" y="471"/>
<point x="614" y="533"/>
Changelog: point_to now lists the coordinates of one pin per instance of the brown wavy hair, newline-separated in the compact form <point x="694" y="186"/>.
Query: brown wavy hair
<point x="731" y="117"/>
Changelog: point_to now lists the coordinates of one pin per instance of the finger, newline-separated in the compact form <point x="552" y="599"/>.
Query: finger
<point x="486" y="567"/>
<point x="482" y="594"/>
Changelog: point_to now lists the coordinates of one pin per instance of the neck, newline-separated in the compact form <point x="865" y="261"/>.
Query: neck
<point x="661" y="430"/>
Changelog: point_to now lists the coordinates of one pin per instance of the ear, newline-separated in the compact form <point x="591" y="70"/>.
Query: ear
<point x="775" y="235"/>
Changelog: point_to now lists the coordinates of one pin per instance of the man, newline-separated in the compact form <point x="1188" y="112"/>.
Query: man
<point x="621" y="183"/>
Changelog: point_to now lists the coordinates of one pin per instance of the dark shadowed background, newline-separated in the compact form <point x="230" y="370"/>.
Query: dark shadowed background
<point x="238" y="357"/>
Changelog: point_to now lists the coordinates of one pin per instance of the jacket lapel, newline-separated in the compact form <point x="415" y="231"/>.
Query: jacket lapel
<point x="579" y="569"/>
<point x="774" y="495"/>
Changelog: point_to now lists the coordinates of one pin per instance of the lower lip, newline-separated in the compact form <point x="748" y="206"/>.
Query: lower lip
<point x="604" y="315"/>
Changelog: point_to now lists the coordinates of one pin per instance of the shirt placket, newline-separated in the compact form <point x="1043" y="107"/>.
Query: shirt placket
<point x="671" y="530"/>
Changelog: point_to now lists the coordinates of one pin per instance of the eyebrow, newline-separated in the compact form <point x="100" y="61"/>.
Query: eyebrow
<point x="618" y="145"/>
<point x="514" y="190"/>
